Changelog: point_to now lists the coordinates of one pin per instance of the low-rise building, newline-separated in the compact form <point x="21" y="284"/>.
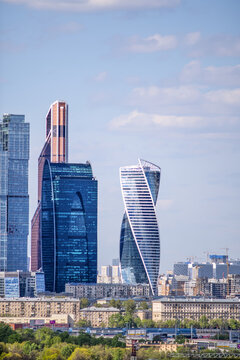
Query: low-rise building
<point x="99" y="291"/>
<point x="39" y="307"/>
<point x="98" y="316"/>
<point x="193" y="308"/>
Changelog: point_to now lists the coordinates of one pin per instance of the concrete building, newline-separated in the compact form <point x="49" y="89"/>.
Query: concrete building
<point x="99" y="291"/>
<point x="39" y="307"/>
<point x="98" y="316"/>
<point x="193" y="308"/>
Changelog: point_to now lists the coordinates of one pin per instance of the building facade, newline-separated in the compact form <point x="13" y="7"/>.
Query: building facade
<point x="55" y="150"/>
<point x="194" y="308"/>
<point x="98" y="316"/>
<point x="68" y="225"/>
<point x="99" y="291"/>
<point x="139" y="238"/>
<point x="39" y="307"/>
<point x="14" y="199"/>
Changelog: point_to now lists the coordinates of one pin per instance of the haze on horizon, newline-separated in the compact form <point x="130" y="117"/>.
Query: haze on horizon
<point x="157" y="80"/>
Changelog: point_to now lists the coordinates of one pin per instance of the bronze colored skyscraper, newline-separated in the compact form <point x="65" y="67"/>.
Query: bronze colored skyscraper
<point x="55" y="149"/>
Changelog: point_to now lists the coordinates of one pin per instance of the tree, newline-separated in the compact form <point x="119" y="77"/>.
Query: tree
<point x="83" y="323"/>
<point x="203" y="322"/>
<point x="129" y="306"/>
<point x="67" y="350"/>
<point x="115" y="303"/>
<point x="143" y="306"/>
<point x="5" y="332"/>
<point x="51" y="354"/>
<point x="116" y="320"/>
<point x="148" y="323"/>
<point x="80" y="354"/>
<point x="84" y="303"/>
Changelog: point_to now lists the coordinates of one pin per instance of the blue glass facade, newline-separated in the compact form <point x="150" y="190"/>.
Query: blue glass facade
<point x="68" y="225"/>
<point x="14" y="199"/>
<point x="139" y="238"/>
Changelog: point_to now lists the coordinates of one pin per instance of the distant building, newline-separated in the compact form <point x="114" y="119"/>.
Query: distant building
<point x="180" y="268"/>
<point x="68" y="225"/>
<point x="109" y="274"/>
<point x="14" y="199"/>
<point x="21" y="284"/>
<point x="115" y="262"/>
<point x="139" y="238"/>
<point x="98" y="316"/>
<point x="193" y="308"/>
<point x="99" y="291"/>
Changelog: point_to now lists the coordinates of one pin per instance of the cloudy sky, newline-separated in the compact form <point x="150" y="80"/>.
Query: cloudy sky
<point x="151" y="79"/>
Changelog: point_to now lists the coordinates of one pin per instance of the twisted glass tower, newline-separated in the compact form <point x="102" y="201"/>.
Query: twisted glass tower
<point x="139" y="239"/>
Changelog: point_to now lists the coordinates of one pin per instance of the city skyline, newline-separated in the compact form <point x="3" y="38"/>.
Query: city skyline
<point x="158" y="81"/>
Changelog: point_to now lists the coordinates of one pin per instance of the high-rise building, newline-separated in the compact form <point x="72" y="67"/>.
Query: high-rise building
<point x="14" y="199"/>
<point x="139" y="238"/>
<point x="55" y="150"/>
<point x="68" y="225"/>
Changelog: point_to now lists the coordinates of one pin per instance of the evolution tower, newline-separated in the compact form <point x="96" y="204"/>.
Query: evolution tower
<point x="55" y="150"/>
<point x="14" y="199"/>
<point x="139" y="238"/>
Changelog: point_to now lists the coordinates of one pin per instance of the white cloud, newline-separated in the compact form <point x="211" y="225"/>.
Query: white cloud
<point x="170" y="97"/>
<point x="139" y="120"/>
<point x="101" y="76"/>
<point x="211" y="75"/>
<point x="178" y="94"/>
<point x="152" y="43"/>
<point x="92" y="5"/>
<point x="144" y="121"/>
<point x="218" y="45"/>
<point x="192" y="38"/>
<point x="229" y="97"/>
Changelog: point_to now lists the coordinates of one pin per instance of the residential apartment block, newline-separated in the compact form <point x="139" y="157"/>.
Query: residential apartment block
<point x="39" y="307"/>
<point x="193" y="308"/>
<point x="99" y="291"/>
<point x="98" y="316"/>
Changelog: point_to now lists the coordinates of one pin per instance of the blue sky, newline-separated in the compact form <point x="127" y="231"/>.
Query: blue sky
<point x="151" y="79"/>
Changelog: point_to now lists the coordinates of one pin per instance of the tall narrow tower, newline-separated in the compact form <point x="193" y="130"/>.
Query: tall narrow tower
<point x="139" y="239"/>
<point x="14" y="199"/>
<point x="55" y="150"/>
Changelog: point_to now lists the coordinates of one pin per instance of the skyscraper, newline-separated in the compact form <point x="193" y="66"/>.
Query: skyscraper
<point x="68" y="225"/>
<point x="139" y="238"/>
<point x="14" y="199"/>
<point x="55" y="149"/>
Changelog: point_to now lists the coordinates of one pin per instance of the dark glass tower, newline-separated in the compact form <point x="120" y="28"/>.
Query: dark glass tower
<point x="55" y="149"/>
<point x="139" y="238"/>
<point x="14" y="199"/>
<point x="68" y="224"/>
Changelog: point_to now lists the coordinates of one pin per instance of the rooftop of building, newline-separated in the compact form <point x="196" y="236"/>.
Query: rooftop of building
<point x="106" y="284"/>
<point x="100" y="309"/>
<point x="196" y="300"/>
<point x="40" y="299"/>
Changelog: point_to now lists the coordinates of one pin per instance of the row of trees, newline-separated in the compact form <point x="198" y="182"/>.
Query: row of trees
<point x="44" y="343"/>
<point x="129" y="320"/>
